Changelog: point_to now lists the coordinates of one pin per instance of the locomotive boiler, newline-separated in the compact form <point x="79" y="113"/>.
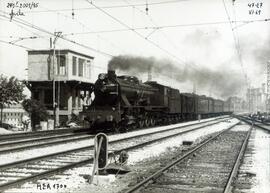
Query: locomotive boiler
<point x="120" y="102"/>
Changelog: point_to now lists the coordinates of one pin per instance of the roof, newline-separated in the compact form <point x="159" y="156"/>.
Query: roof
<point x="79" y="84"/>
<point x="63" y="51"/>
<point x="64" y="81"/>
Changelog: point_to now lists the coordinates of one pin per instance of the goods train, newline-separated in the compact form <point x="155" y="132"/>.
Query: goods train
<point x="123" y="102"/>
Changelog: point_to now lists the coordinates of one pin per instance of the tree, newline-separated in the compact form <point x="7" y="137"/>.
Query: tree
<point x="36" y="110"/>
<point x="11" y="92"/>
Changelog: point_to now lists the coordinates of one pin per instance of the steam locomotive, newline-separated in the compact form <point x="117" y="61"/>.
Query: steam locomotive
<point x="122" y="103"/>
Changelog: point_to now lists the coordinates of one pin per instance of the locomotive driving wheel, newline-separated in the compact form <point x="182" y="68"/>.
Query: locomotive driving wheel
<point x="152" y="121"/>
<point x="141" y="123"/>
<point x="147" y="122"/>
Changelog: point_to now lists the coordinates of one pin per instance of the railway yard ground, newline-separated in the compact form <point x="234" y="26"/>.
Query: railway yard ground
<point x="65" y="165"/>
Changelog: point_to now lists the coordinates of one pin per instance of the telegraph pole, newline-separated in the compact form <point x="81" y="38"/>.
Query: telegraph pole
<point x="56" y="36"/>
<point x="249" y="96"/>
<point x="268" y="87"/>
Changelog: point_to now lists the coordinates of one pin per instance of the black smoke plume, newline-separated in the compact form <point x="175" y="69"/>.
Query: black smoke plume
<point x="222" y="83"/>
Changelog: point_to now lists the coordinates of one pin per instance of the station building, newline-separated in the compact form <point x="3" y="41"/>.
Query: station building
<point x="15" y="115"/>
<point x="236" y="104"/>
<point x="65" y="74"/>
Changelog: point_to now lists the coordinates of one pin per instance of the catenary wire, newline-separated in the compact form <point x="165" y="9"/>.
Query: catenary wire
<point x="110" y="6"/>
<point x="23" y="22"/>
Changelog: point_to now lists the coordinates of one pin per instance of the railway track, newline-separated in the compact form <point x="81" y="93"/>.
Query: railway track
<point x="18" y="172"/>
<point x="53" y="133"/>
<point x="253" y="175"/>
<point x="254" y="122"/>
<point x="209" y="167"/>
<point x="37" y="134"/>
<point x="12" y="145"/>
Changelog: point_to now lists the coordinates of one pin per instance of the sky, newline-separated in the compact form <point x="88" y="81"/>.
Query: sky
<point x="218" y="47"/>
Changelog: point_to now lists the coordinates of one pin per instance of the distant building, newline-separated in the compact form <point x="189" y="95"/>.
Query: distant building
<point x="236" y="104"/>
<point x="15" y="115"/>
<point x="256" y="99"/>
<point x="71" y="72"/>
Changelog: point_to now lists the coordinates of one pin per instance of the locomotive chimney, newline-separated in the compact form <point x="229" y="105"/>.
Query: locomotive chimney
<point x="111" y="74"/>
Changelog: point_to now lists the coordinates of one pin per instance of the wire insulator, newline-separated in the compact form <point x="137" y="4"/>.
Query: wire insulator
<point x="146" y="8"/>
<point x="72" y="14"/>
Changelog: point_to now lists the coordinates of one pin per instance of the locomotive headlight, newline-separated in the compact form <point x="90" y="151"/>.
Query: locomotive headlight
<point x="101" y="76"/>
<point x="109" y="118"/>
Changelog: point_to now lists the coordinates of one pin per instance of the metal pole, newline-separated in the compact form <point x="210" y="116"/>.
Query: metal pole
<point x="54" y="118"/>
<point x="57" y="35"/>
<point x="58" y="91"/>
<point x="268" y="87"/>
<point x="1" y="106"/>
<point x="249" y="97"/>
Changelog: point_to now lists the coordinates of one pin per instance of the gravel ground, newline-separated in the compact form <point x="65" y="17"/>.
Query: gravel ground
<point x="4" y="131"/>
<point x="254" y="173"/>
<point x="11" y="157"/>
<point x="206" y="171"/>
<point x="140" y="162"/>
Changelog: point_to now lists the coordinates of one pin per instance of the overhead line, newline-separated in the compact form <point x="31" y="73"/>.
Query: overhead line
<point x="235" y="42"/>
<point x="169" y="26"/>
<point x="14" y="44"/>
<point x="154" y="23"/>
<point x="109" y="7"/>
<point x="64" y="38"/>
<point x="140" y="35"/>
<point x="82" y="24"/>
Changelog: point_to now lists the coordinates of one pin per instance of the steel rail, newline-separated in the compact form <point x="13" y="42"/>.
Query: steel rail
<point x="40" y="139"/>
<point x="259" y="121"/>
<point x="85" y="137"/>
<point x="256" y="120"/>
<point x="159" y="172"/>
<point x="251" y="123"/>
<point x="40" y="133"/>
<point x="51" y="132"/>
<point x="20" y="162"/>
<point x="250" y="119"/>
<point x="8" y="150"/>
<point x="233" y="173"/>
<point x="83" y="162"/>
